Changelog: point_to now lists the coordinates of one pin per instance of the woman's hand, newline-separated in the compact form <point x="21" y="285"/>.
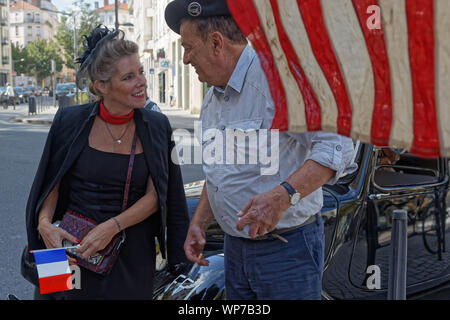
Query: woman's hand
<point x="54" y="236"/>
<point x="98" y="238"/>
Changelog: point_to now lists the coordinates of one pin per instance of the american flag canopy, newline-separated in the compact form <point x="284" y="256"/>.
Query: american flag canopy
<point x="333" y="66"/>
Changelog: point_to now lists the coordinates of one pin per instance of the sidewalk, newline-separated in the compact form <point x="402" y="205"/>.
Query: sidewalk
<point x="179" y="119"/>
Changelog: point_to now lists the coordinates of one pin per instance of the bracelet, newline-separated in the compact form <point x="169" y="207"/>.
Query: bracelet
<point x="118" y="224"/>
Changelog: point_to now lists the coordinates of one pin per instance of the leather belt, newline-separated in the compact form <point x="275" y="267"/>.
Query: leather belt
<point x="276" y="234"/>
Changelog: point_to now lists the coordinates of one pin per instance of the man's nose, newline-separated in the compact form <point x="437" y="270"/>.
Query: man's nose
<point x="186" y="59"/>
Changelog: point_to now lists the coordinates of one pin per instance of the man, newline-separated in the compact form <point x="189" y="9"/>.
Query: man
<point x="149" y="104"/>
<point x="274" y="240"/>
<point x="9" y="93"/>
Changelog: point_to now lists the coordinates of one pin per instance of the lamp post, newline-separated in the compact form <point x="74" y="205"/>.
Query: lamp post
<point x="116" y="9"/>
<point x="75" y="41"/>
<point x="117" y="24"/>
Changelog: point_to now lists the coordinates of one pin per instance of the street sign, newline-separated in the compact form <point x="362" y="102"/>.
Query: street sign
<point x="164" y="63"/>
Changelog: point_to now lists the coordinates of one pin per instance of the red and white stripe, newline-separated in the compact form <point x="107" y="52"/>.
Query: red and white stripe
<point x="329" y="71"/>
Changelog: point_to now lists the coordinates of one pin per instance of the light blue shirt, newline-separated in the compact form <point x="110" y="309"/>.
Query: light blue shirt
<point x="152" y="106"/>
<point x="245" y="108"/>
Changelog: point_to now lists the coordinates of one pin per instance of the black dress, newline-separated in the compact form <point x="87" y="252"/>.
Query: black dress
<point x="96" y="191"/>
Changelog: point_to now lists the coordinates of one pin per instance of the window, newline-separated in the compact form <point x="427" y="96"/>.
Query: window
<point x="30" y="31"/>
<point x="17" y="31"/>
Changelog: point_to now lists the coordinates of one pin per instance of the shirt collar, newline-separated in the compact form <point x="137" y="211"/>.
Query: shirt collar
<point x="240" y="71"/>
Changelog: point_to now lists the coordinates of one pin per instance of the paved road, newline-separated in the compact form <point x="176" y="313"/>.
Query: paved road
<point x="20" y="150"/>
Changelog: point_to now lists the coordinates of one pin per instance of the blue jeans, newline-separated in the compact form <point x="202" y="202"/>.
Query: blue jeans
<point x="275" y="270"/>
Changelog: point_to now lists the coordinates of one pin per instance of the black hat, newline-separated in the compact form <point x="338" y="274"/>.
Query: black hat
<point x="177" y="10"/>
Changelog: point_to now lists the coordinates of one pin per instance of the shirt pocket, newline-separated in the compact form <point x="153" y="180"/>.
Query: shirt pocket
<point x="242" y="142"/>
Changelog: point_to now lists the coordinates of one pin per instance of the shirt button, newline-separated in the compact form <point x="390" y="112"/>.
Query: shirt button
<point x="338" y="147"/>
<point x="226" y="98"/>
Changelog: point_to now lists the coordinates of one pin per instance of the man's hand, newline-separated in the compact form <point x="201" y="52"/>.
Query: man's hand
<point x="194" y="244"/>
<point x="264" y="211"/>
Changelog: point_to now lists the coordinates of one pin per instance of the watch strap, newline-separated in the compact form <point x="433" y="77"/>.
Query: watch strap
<point x="289" y="188"/>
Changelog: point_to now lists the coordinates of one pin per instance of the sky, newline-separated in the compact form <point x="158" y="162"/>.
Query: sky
<point x="64" y="5"/>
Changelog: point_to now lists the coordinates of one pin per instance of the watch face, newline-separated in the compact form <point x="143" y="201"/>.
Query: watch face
<point x="295" y="198"/>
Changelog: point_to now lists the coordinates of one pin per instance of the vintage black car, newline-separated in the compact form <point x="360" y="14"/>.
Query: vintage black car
<point x="357" y="214"/>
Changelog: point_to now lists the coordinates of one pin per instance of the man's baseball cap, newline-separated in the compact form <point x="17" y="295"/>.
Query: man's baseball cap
<point x="177" y="10"/>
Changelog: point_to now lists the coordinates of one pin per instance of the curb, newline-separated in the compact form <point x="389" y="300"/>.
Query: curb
<point x="49" y="122"/>
<point x="31" y="121"/>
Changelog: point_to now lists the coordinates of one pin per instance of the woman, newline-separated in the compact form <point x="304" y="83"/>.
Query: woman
<point x="84" y="168"/>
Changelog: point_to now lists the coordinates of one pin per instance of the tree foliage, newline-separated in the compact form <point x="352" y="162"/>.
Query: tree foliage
<point x="21" y="61"/>
<point x="86" y="20"/>
<point x="41" y="53"/>
<point x="37" y="57"/>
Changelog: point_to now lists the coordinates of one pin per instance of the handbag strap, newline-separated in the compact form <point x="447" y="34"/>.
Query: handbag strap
<point x="130" y="169"/>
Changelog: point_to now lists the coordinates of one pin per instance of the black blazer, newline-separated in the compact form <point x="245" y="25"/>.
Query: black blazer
<point x="68" y="136"/>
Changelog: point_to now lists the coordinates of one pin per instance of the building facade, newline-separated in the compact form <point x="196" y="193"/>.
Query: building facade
<point x="30" y="23"/>
<point x="5" y="46"/>
<point x="170" y="82"/>
<point x="107" y="15"/>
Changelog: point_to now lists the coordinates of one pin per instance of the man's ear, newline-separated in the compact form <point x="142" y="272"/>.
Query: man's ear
<point x="101" y="86"/>
<point x="217" y="41"/>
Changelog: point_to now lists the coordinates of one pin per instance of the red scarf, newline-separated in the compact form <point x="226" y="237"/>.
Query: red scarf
<point x="108" y="117"/>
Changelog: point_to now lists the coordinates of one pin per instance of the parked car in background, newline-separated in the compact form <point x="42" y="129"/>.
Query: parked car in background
<point x="32" y="91"/>
<point x="63" y="89"/>
<point x="20" y="95"/>
<point x="28" y="91"/>
<point x="37" y="91"/>
<point x="2" y="95"/>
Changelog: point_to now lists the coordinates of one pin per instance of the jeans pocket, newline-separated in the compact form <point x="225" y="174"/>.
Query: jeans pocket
<point x="315" y="245"/>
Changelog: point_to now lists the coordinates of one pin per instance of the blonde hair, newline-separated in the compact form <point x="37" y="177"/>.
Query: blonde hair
<point x="103" y="67"/>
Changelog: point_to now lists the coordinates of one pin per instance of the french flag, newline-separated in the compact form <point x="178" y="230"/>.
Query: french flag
<point x="53" y="270"/>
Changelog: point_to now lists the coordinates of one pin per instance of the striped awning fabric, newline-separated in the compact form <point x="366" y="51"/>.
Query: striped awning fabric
<point x="332" y="67"/>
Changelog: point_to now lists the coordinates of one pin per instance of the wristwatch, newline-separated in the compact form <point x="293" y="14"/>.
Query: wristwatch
<point x="293" y="194"/>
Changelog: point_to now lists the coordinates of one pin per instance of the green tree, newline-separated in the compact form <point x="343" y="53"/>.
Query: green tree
<point x="40" y="53"/>
<point x="22" y="62"/>
<point x="35" y="59"/>
<point x="87" y="19"/>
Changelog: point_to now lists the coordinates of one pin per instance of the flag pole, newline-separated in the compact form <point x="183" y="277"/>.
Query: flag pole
<point x="66" y="248"/>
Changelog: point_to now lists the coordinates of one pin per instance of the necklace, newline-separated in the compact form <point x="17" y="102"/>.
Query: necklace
<point x="116" y="140"/>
